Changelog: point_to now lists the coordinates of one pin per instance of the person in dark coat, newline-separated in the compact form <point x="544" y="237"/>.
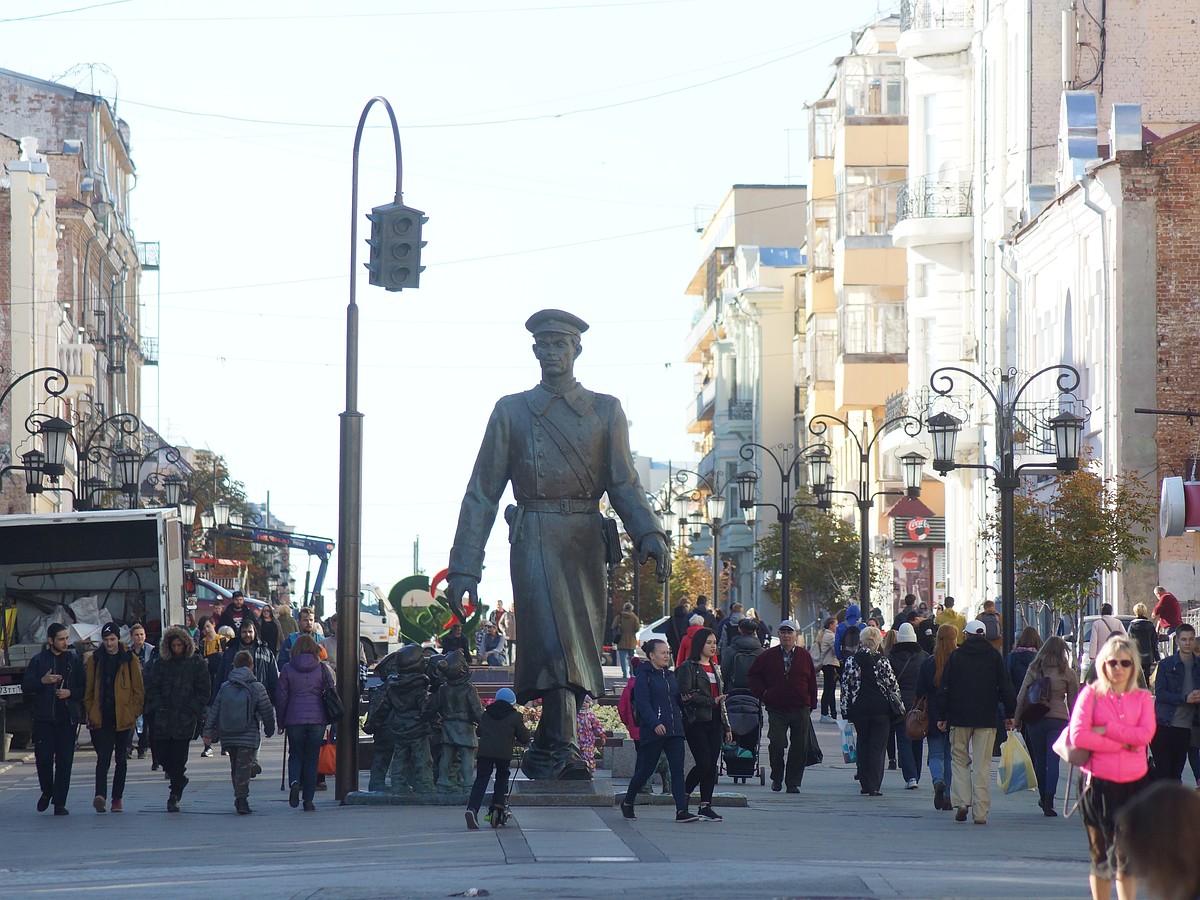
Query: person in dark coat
<point x="456" y="640"/>
<point x="676" y="628"/>
<point x="906" y="660"/>
<point x="176" y="694"/>
<point x="237" y="612"/>
<point x="974" y="684"/>
<point x="1142" y="630"/>
<point x="868" y="685"/>
<point x="268" y="629"/>
<point x="55" y="678"/>
<point x="146" y="654"/>
<point x="1017" y="662"/>
<point x="785" y="680"/>
<point x="300" y="708"/>
<point x="501" y="728"/>
<point x="266" y="666"/>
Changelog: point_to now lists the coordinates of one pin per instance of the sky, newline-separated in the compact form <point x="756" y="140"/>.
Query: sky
<point x="566" y="154"/>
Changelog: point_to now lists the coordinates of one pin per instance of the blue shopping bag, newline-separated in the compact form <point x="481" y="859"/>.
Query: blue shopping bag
<point x="849" y="744"/>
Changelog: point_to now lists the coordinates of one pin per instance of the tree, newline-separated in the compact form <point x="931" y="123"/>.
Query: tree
<point x="824" y="557"/>
<point x="1068" y="535"/>
<point x="650" y="592"/>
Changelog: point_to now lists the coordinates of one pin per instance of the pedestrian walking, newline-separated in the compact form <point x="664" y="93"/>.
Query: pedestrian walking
<point x="56" y="680"/>
<point x="869" y="697"/>
<point x="974" y="685"/>
<point x="306" y="624"/>
<point x="268" y="629"/>
<point x="287" y="625"/>
<point x="785" y="680"/>
<point x="1142" y="630"/>
<point x="1176" y="704"/>
<point x="695" y="623"/>
<point x="628" y="626"/>
<point x="727" y="627"/>
<point x="676" y="627"/>
<point x="1044" y="702"/>
<point x="236" y="613"/>
<point x="950" y="616"/>
<point x="501" y="729"/>
<point x="240" y="712"/>
<point x="906" y="659"/>
<point x="740" y="655"/>
<point x="705" y="722"/>
<point x="1017" y="662"/>
<point x="1114" y="719"/>
<point x="762" y="629"/>
<point x="146" y="655"/>
<point x="848" y="634"/>
<point x="1102" y="629"/>
<point x="660" y="719"/>
<point x="113" y="698"/>
<point x="300" y="708"/>
<point x="1167" y="614"/>
<point x="827" y="664"/>
<point x="625" y="712"/>
<point x="928" y="681"/>
<point x="176" y="695"/>
<point x="211" y="646"/>
<point x="263" y="659"/>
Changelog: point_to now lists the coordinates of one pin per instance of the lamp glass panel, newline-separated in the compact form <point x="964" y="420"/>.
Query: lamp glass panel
<point x="747" y="480"/>
<point x="221" y="513"/>
<point x="716" y="506"/>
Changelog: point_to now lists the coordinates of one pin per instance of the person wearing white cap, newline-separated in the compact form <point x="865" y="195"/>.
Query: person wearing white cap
<point x="785" y="680"/>
<point x="906" y="659"/>
<point x="973" y="685"/>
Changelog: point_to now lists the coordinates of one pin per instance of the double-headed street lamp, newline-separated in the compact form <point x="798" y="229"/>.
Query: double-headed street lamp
<point x="54" y="431"/>
<point x="789" y="470"/>
<point x="819" y="466"/>
<point x="688" y="504"/>
<point x="1067" y="430"/>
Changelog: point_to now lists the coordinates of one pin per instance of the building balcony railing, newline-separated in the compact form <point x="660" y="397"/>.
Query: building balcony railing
<point x="928" y="198"/>
<point x="701" y="412"/>
<point x="906" y="403"/>
<point x="930" y="14"/>
<point x="741" y="409"/>
<point x="873" y="328"/>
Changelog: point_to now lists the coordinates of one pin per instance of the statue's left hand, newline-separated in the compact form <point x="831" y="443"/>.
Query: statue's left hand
<point x="653" y="545"/>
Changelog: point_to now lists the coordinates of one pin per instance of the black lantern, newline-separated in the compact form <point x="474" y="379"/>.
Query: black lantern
<point x="125" y="469"/>
<point x="914" y="464"/>
<point x="818" y="467"/>
<point x="55" y="432"/>
<point x="747" y="482"/>
<point x="1068" y="434"/>
<point x="944" y="429"/>
<point x="171" y="485"/>
<point x="221" y="513"/>
<point x="34" y="463"/>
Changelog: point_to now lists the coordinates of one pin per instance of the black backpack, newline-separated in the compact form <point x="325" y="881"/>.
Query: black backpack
<point x="849" y="640"/>
<point x="991" y="625"/>
<point x="739" y="669"/>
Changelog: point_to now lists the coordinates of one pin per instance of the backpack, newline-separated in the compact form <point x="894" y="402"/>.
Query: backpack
<point x="739" y="669"/>
<point x="237" y="708"/>
<point x="850" y="640"/>
<point x="991" y="625"/>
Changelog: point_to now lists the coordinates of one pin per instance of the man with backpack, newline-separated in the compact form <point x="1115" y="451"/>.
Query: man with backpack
<point x="727" y="628"/>
<point x="845" y="640"/>
<point x="991" y="624"/>
<point x="240" y="709"/>
<point x="740" y="655"/>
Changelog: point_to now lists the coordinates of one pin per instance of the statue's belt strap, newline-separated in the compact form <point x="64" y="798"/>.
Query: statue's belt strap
<point x="565" y="507"/>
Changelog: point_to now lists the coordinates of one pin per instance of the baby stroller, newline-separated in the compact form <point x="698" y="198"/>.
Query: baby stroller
<point x="740" y="760"/>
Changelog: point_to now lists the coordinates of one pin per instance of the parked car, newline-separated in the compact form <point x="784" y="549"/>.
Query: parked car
<point x="206" y="594"/>
<point x="656" y="629"/>
<point x="1088" y="622"/>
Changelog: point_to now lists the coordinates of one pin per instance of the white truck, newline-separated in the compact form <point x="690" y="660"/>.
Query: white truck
<point x="82" y="569"/>
<point x="378" y="624"/>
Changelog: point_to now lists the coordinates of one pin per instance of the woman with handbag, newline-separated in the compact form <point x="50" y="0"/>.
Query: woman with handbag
<point x="300" y="708"/>
<point x="1114" y="720"/>
<point x="871" y="702"/>
<point x="928" y="680"/>
<point x="1044" y="704"/>
<point x="705" y="723"/>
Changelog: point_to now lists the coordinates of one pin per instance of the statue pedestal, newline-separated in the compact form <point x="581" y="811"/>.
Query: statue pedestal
<point x="561" y="793"/>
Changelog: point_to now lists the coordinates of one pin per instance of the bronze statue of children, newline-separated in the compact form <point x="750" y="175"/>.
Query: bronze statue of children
<point x="457" y="702"/>
<point x="403" y="721"/>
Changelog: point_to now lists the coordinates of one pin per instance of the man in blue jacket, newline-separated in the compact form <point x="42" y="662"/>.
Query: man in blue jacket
<point x="1176" y="705"/>
<point x="55" y="678"/>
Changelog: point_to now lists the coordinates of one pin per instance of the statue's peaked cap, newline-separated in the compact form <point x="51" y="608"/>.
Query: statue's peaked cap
<point x="555" y="320"/>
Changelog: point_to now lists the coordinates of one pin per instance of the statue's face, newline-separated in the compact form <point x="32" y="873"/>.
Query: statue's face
<point x="555" y="352"/>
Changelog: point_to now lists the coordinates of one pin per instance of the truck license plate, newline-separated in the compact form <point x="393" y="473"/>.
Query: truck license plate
<point x="9" y="689"/>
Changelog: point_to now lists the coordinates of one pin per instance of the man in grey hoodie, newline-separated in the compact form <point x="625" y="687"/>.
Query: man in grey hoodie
<point x="240" y="709"/>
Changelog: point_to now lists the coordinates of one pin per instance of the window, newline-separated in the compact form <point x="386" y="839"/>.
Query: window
<point x="873" y="86"/>
<point x="872" y="320"/>
<point x="867" y="199"/>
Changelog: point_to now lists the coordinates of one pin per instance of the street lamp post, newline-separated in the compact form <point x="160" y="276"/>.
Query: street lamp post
<point x="747" y="481"/>
<point x="54" y="431"/>
<point x="714" y="502"/>
<point x="1067" y="431"/>
<point x="819" y="465"/>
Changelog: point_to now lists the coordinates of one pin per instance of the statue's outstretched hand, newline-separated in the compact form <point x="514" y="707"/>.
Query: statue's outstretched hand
<point x="654" y="545"/>
<point x="456" y="587"/>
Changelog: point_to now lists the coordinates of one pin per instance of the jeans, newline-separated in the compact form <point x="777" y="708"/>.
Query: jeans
<point x="649" y="750"/>
<point x="484" y="766"/>
<point x="705" y="739"/>
<point x="939" y="756"/>
<point x="971" y="754"/>
<point x="623" y="658"/>
<point x="788" y="730"/>
<point x="304" y="746"/>
<point x="173" y="754"/>
<point x="873" y="733"/>
<point x="1041" y="736"/>
<point x="828" y="701"/>
<point x="108" y="741"/>
<point x="54" y="750"/>
<point x="908" y="751"/>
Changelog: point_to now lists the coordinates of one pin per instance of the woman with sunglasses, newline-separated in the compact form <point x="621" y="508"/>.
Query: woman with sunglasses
<point x="1114" y="719"/>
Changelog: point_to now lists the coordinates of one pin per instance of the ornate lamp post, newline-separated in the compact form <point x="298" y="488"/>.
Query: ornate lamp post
<point x="819" y="466"/>
<point x="712" y="518"/>
<point x="1067" y="431"/>
<point x="54" y="431"/>
<point x="789" y="467"/>
<point x="661" y="505"/>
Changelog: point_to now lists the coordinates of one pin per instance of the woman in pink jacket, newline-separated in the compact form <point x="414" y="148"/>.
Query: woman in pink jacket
<point x="1114" y="719"/>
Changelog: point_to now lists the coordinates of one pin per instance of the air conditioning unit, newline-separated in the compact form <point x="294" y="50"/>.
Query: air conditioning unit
<point x="968" y="348"/>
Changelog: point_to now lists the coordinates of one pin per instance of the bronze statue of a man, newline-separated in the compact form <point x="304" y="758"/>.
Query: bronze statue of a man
<point x="562" y="447"/>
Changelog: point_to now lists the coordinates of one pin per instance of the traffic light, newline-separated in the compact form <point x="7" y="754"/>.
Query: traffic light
<point x="396" y="246"/>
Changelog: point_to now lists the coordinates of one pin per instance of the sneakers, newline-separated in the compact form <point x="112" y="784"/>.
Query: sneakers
<point x="173" y="803"/>
<point x="708" y="814"/>
<point x="207" y="751"/>
<point x="828" y="720"/>
<point x="294" y="795"/>
<point x="43" y="803"/>
<point x="911" y="784"/>
<point x="627" y="810"/>
<point x="309" y="806"/>
<point x="684" y="816"/>
<point x="98" y="804"/>
<point x="473" y="819"/>
<point x="242" y="805"/>
<point x="117" y="807"/>
<point x="961" y="815"/>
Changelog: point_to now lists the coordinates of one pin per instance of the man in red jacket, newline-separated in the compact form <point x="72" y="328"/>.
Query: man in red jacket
<point x="785" y="680"/>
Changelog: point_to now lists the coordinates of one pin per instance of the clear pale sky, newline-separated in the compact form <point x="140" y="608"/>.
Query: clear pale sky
<point x="565" y="152"/>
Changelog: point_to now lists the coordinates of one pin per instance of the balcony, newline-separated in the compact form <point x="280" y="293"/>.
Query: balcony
<point x="929" y="211"/>
<point x="873" y="329"/>
<point x="930" y="27"/>
<point x="702" y="334"/>
<point x="149" y="351"/>
<point x="700" y="415"/>
<point x="79" y="362"/>
<point x="738" y="419"/>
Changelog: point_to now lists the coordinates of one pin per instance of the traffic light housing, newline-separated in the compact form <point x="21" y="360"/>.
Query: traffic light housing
<point x="396" y="244"/>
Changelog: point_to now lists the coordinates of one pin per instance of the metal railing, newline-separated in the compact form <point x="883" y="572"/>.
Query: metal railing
<point x="928" y="198"/>
<point x="741" y="409"/>
<point x="930" y="14"/>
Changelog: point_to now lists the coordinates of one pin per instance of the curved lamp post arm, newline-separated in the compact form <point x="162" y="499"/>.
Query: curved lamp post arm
<point x="54" y="375"/>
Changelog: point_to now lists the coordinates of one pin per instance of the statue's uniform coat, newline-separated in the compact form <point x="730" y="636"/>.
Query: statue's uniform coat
<point x="557" y="558"/>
